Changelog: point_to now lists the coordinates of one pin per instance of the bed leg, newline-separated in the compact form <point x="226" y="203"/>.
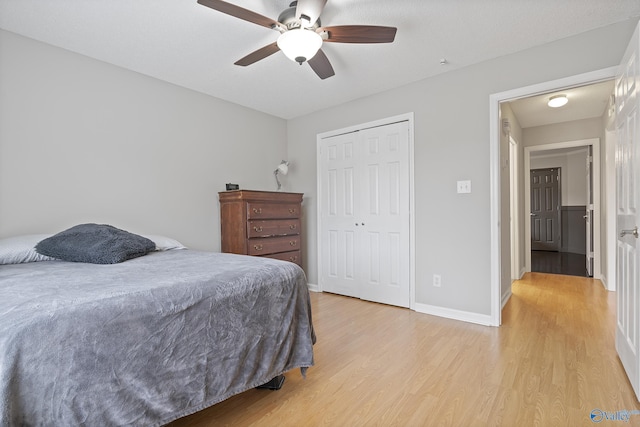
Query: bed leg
<point x="274" y="384"/>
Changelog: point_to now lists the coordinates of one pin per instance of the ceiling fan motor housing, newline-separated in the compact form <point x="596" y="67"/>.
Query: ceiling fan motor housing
<point x="289" y="20"/>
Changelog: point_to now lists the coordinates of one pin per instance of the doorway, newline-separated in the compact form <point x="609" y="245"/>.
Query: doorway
<point x="571" y="252"/>
<point x="500" y="193"/>
<point x="578" y="210"/>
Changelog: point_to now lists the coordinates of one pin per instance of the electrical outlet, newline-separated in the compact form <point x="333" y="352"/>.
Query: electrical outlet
<point x="437" y="280"/>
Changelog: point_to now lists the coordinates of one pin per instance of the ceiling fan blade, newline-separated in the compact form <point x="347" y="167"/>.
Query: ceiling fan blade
<point x="239" y="12"/>
<point x="311" y="9"/>
<point x="321" y="65"/>
<point x="259" y="54"/>
<point x="359" y="34"/>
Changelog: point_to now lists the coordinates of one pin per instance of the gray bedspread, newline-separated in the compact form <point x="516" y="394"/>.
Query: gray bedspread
<point x="146" y="341"/>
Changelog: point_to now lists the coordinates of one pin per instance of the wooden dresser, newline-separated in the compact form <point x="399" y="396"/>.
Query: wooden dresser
<point x="261" y="223"/>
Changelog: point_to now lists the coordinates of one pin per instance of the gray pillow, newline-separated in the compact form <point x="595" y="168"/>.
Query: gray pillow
<point x="96" y="244"/>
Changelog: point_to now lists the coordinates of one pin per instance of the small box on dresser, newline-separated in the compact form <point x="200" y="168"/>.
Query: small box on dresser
<point x="261" y="223"/>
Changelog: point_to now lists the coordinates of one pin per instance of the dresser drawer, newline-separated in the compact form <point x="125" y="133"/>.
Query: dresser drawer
<point x="272" y="245"/>
<point x="293" y="256"/>
<point x="272" y="210"/>
<point x="273" y="227"/>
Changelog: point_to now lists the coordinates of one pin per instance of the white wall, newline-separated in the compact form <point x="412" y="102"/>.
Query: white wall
<point x="85" y="141"/>
<point x="451" y="143"/>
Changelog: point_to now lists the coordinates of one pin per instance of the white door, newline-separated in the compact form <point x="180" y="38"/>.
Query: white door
<point x="627" y="192"/>
<point x="384" y="214"/>
<point x="364" y="210"/>
<point x="338" y="216"/>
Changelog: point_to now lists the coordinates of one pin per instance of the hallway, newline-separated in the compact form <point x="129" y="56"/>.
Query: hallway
<point x="558" y="263"/>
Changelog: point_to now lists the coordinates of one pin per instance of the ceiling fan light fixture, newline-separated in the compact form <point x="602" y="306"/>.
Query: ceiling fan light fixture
<point x="557" y="101"/>
<point x="300" y="45"/>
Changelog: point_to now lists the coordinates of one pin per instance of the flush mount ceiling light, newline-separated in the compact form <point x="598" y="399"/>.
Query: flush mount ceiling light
<point x="557" y="101"/>
<point x="300" y="45"/>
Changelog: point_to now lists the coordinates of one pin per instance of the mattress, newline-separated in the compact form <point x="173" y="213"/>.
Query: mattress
<point x="146" y="341"/>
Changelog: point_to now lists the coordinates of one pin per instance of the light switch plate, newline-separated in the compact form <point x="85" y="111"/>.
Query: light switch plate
<point x="464" y="186"/>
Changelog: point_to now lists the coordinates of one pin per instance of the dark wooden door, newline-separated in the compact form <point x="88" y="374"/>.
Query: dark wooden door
<point x="545" y="210"/>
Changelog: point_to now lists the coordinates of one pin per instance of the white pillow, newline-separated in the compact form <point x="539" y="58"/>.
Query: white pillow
<point x="19" y="249"/>
<point x="165" y="243"/>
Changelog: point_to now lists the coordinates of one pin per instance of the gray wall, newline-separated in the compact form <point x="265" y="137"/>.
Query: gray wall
<point x="82" y="140"/>
<point x="562" y="132"/>
<point x="573" y="169"/>
<point x="452" y="143"/>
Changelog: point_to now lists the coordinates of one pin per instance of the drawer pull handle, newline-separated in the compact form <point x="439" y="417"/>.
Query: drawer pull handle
<point x="292" y="227"/>
<point x="257" y="247"/>
<point x="293" y="258"/>
<point x="293" y="243"/>
<point x="292" y="210"/>
<point x="257" y="210"/>
<point x="257" y="229"/>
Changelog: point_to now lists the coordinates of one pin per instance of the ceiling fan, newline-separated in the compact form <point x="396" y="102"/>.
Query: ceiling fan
<point x="301" y="34"/>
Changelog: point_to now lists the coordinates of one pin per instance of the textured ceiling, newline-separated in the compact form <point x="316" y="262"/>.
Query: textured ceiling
<point x="585" y="102"/>
<point x="190" y="45"/>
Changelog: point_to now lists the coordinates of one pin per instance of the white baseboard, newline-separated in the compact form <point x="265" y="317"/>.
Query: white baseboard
<point x="605" y="283"/>
<point x="524" y="270"/>
<point x="505" y="298"/>
<point x="449" y="313"/>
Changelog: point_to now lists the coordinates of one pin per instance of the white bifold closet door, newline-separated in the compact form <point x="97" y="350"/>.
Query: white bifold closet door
<point x="364" y="214"/>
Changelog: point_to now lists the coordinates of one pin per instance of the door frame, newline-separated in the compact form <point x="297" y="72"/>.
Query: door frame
<point x="590" y="214"/>
<point x="495" y="162"/>
<point x="593" y="142"/>
<point x="611" y="214"/>
<point x="408" y="117"/>
<point x="514" y="211"/>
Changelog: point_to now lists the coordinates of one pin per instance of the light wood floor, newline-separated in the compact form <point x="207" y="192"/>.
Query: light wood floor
<point x="550" y="364"/>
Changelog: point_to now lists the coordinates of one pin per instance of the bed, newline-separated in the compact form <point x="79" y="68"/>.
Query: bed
<point x="146" y="341"/>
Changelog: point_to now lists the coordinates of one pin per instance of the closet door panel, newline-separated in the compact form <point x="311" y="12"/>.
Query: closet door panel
<point x="385" y="177"/>
<point x="338" y="209"/>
